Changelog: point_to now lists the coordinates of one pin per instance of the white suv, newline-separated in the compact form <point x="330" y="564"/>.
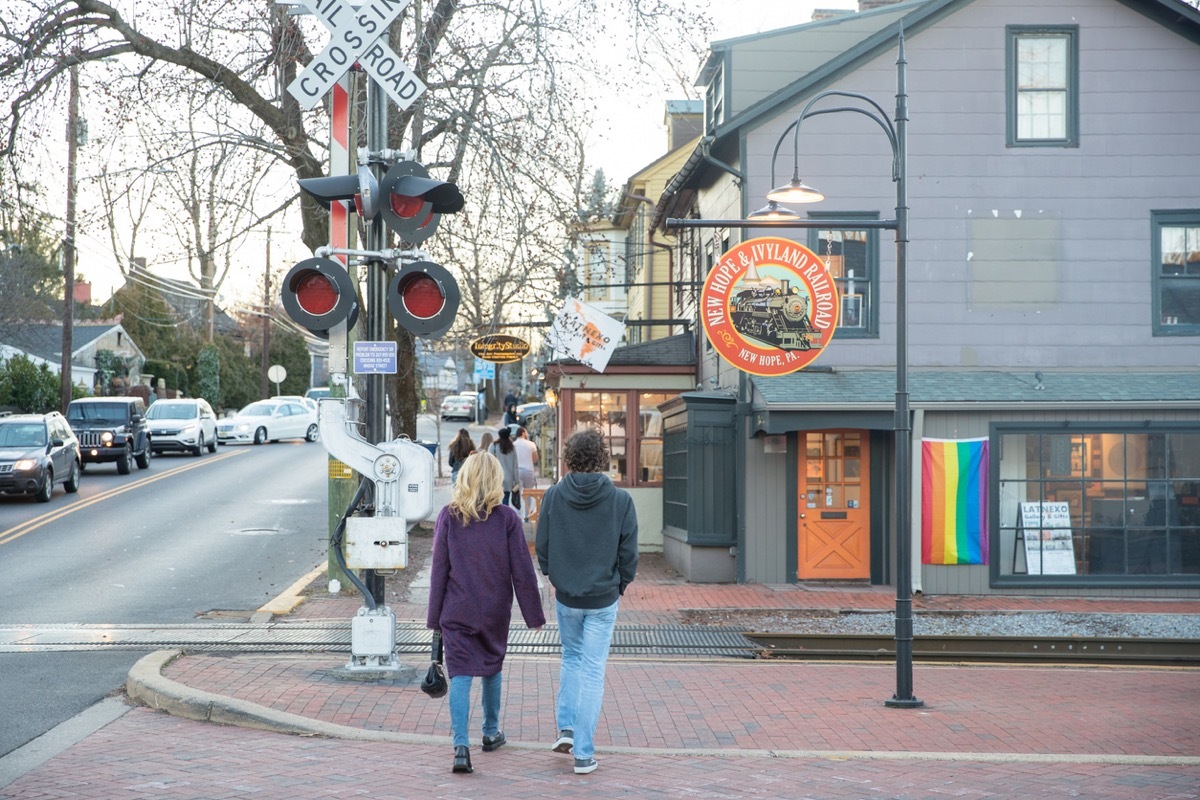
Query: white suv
<point x="182" y="426"/>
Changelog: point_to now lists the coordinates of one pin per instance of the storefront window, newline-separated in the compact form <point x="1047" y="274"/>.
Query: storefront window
<point x="1100" y="504"/>
<point x="650" y="443"/>
<point x="606" y="412"/>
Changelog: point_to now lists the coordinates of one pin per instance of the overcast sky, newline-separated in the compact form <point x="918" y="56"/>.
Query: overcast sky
<point x="638" y="136"/>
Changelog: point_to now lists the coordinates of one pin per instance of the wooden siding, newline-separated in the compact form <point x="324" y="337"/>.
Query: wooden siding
<point x="970" y="579"/>
<point x="765" y="551"/>
<point x="1139" y="110"/>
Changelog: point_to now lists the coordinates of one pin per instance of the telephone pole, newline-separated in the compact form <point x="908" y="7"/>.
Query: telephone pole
<point x="68" y="322"/>
<point x="266" y="322"/>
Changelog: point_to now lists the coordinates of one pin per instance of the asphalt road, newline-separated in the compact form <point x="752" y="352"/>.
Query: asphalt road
<point x="188" y="537"/>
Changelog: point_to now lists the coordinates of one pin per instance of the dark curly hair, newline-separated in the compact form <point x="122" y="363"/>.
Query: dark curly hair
<point x="586" y="451"/>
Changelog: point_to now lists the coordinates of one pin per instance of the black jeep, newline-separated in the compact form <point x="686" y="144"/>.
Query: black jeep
<point x="111" y="429"/>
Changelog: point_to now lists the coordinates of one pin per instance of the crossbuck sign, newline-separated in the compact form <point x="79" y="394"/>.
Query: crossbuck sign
<point x="356" y="37"/>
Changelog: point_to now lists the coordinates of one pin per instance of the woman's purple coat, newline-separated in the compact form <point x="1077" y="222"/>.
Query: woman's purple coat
<point x="476" y="568"/>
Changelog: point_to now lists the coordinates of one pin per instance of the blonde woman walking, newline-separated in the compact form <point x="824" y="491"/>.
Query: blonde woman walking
<point x="480" y="559"/>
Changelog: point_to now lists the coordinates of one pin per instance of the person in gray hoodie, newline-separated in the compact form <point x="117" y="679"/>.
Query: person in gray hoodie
<point x="587" y="545"/>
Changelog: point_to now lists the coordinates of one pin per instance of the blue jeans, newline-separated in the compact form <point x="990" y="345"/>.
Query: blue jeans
<point x="585" y="634"/>
<point x="460" y="707"/>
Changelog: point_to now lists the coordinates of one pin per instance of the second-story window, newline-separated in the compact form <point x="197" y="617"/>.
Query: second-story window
<point x="852" y="259"/>
<point x="1043" y="86"/>
<point x="1175" y="246"/>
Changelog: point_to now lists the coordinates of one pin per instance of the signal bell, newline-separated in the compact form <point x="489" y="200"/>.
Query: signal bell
<point x="424" y="298"/>
<point x="318" y="293"/>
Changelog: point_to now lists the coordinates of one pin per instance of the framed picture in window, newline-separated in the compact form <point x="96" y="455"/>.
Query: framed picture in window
<point x="852" y="310"/>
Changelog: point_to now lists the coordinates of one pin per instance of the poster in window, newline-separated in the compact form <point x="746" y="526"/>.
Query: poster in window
<point x="852" y="310"/>
<point x="1049" y="548"/>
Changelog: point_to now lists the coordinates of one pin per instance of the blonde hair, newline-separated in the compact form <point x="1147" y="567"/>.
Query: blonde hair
<point x="478" y="489"/>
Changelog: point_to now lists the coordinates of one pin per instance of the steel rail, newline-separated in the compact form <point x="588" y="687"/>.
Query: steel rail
<point x="1057" y="649"/>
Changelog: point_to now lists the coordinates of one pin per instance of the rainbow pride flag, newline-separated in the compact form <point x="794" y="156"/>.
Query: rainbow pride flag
<point x="954" y="501"/>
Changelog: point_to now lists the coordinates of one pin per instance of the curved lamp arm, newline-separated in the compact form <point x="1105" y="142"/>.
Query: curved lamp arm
<point x="880" y="119"/>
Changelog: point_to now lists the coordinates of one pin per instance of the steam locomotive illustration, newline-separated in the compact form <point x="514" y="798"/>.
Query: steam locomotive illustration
<point x="774" y="315"/>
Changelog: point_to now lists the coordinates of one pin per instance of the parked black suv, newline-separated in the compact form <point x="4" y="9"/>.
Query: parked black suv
<point x="36" y="452"/>
<point x="111" y="429"/>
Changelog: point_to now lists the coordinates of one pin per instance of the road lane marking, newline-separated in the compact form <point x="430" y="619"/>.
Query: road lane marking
<point x="17" y="531"/>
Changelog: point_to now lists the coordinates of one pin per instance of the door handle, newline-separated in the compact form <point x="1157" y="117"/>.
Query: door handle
<point x="803" y="516"/>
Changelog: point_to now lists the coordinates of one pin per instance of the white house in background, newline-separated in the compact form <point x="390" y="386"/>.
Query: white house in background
<point x="41" y="342"/>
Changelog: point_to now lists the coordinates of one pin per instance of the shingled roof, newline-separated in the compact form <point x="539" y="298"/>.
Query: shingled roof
<point x="876" y="389"/>
<point x="671" y="351"/>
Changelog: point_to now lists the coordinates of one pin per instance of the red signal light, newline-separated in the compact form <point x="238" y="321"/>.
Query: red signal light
<point x="422" y="296"/>
<point x="315" y="293"/>
<point x="406" y="207"/>
<point x="318" y="294"/>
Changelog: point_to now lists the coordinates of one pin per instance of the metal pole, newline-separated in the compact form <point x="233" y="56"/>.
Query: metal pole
<point x="903" y="698"/>
<point x="376" y="297"/>
<point x="266" y="331"/>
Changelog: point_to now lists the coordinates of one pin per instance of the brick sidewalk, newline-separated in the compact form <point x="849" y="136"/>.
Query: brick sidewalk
<point x="671" y="728"/>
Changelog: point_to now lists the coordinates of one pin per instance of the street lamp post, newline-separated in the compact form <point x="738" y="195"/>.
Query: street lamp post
<point x="776" y="215"/>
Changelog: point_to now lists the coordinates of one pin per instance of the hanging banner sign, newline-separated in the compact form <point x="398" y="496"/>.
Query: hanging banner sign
<point x="769" y="306"/>
<point x="585" y="333"/>
<point x="500" y="348"/>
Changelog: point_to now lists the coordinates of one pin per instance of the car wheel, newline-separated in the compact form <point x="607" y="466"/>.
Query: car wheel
<point x="260" y="436"/>
<point x="212" y="445"/>
<point x="125" y="463"/>
<point x="143" y="460"/>
<point x="47" y="488"/>
<point x="199" y="450"/>
<point x="72" y="482"/>
<point x="313" y="433"/>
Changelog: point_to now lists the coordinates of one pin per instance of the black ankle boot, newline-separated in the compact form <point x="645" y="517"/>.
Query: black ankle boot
<point x="462" y="759"/>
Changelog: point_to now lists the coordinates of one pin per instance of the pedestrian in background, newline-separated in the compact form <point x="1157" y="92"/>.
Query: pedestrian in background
<point x="527" y="458"/>
<point x="460" y="448"/>
<point x="587" y="544"/>
<point x="507" y="454"/>
<point x="485" y="443"/>
<point x="480" y="559"/>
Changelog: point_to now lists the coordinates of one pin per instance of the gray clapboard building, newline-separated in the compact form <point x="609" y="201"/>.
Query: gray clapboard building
<point x="1053" y="299"/>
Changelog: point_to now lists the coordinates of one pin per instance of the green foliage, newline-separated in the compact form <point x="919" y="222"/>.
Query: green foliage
<point x="28" y="388"/>
<point x="239" y="376"/>
<point x="174" y="375"/>
<point x="109" y="366"/>
<point x="288" y="349"/>
<point x="208" y="375"/>
<point x="31" y="286"/>
<point x="148" y="320"/>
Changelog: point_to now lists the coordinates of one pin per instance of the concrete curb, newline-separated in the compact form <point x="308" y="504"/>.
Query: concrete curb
<point x="146" y="684"/>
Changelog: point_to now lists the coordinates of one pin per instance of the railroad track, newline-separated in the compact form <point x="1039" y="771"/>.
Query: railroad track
<point x="1065" y="649"/>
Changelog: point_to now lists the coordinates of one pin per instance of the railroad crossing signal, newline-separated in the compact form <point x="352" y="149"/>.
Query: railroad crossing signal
<point x="318" y="293"/>
<point x="412" y="203"/>
<point x="424" y="297"/>
<point x="357" y="36"/>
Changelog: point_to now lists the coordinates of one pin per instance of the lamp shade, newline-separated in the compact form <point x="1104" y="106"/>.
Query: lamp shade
<point x="773" y="211"/>
<point x="795" y="191"/>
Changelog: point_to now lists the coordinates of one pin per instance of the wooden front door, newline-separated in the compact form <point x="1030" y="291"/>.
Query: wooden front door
<point x="834" y="517"/>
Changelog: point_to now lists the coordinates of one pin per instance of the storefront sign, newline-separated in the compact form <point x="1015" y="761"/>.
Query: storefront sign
<point x="769" y="306"/>
<point x="500" y="348"/>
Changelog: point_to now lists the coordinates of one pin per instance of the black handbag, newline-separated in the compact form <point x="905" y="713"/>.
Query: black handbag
<point x="435" y="683"/>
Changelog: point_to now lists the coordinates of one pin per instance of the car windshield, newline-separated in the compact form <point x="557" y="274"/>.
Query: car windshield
<point x="95" y="412"/>
<point x="17" y="434"/>
<point x="171" y="411"/>
<point x="257" y="410"/>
